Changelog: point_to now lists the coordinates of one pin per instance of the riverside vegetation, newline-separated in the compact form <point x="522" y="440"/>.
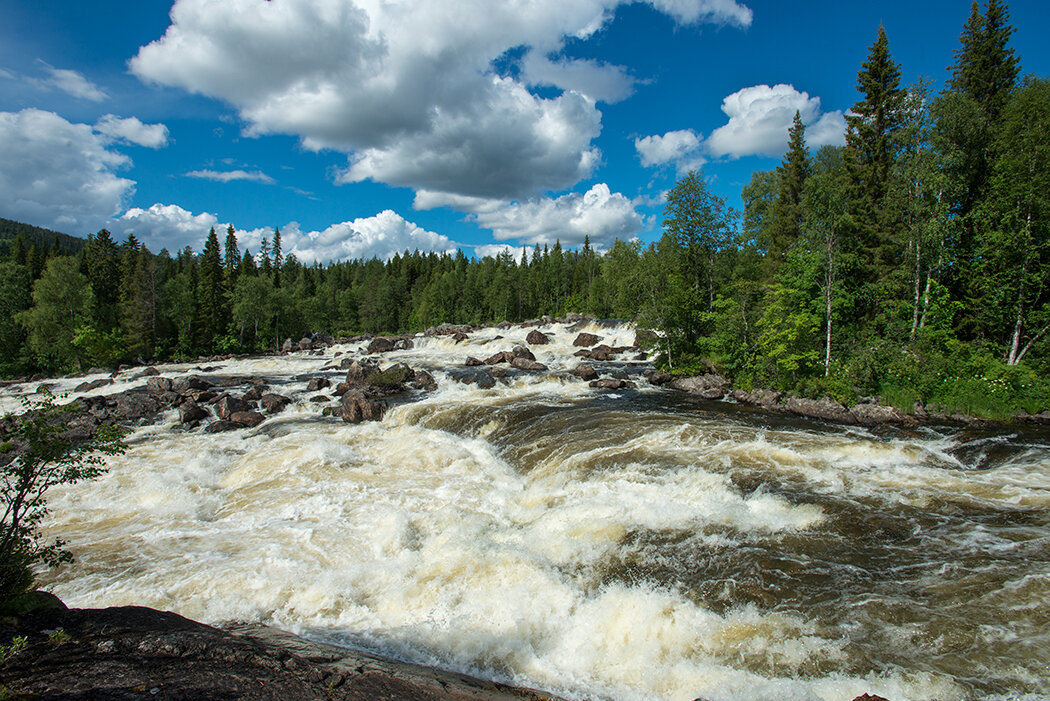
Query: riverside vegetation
<point x="910" y="264"/>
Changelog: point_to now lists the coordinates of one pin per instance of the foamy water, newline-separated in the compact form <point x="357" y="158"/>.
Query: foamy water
<point x="631" y="545"/>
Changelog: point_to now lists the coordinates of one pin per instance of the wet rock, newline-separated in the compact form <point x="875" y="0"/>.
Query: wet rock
<point x="586" y="340"/>
<point x="473" y="362"/>
<point x="306" y="344"/>
<point x="404" y="344"/>
<point x="609" y="383"/>
<point x="585" y="372"/>
<point x="341" y="389"/>
<point x="221" y="426"/>
<point x="460" y="337"/>
<point x="765" y="398"/>
<point x="504" y="325"/>
<point x="381" y="344"/>
<point x="526" y="364"/>
<point x="424" y="380"/>
<point x="148" y="372"/>
<point x="356" y="407"/>
<point x="201" y="395"/>
<point x="392" y="380"/>
<point x="706" y="386"/>
<point x="183" y="385"/>
<point x="158" y="384"/>
<point x="497" y="372"/>
<point x="872" y="414"/>
<point x="660" y="378"/>
<point x="191" y="412"/>
<point x="94" y="384"/>
<point x="226" y="406"/>
<point x="134" y="405"/>
<point x="537" y="338"/>
<point x="642" y="356"/>
<point x="360" y="370"/>
<point x="826" y="409"/>
<point x="447" y="330"/>
<point x="316" y="384"/>
<point x="254" y="394"/>
<point x="870" y="697"/>
<point x="247" y="418"/>
<point x="274" y="403"/>
<point x="501" y="357"/>
<point x="522" y="352"/>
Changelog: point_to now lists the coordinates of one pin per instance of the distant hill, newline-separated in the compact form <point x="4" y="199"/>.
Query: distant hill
<point x="39" y="237"/>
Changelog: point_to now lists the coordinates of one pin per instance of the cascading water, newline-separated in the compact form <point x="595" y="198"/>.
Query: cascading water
<point x="638" y="544"/>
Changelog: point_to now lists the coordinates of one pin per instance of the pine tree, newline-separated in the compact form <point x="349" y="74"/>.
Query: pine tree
<point x="276" y="256"/>
<point x="211" y="298"/>
<point x="231" y="258"/>
<point x="101" y="260"/>
<point x="786" y="224"/>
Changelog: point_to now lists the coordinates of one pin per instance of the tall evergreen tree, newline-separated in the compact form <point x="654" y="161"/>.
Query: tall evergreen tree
<point x="211" y="297"/>
<point x="986" y="68"/>
<point x="101" y="262"/>
<point x="786" y="224"/>
<point x="231" y="259"/>
<point x="275" y="254"/>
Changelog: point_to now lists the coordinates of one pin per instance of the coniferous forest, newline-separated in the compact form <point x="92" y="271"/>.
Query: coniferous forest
<point x="913" y="263"/>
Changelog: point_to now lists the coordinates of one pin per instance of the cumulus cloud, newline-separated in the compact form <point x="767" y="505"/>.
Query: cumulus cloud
<point x="409" y="90"/>
<point x="599" y="214"/>
<point x="165" y="226"/>
<point x="133" y="131"/>
<point x="680" y="147"/>
<point x="72" y="83"/>
<point x="759" y="118"/>
<point x="225" y="176"/>
<point x="491" y="250"/>
<point x="58" y="174"/>
<point x="380" y="236"/>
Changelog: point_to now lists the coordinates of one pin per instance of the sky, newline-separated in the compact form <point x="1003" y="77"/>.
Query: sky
<point x="367" y="127"/>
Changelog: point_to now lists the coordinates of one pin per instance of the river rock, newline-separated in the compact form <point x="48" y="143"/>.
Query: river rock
<point x="361" y="370"/>
<point x="94" y="384"/>
<point x="274" y="403"/>
<point x="191" y="412"/>
<point x="660" y="378"/>
<point x="287" y="346"/>
<point x="357" y="407"/>
<point x="473" y="362"/>
<point x="537" y="338"/>
<point x="226" y="406"/>
<point x="586" y="340"/>
<point x="585" y="372"/>
<point x="134" y="405"/>
<point x="765" y="398"/>
<point x="497" y="372"/>
<point x="183" y="385"/>
<point x="501" y="357"/>
<point x="526" y="364"/>
<point x="826" y="409"/>
<point x="254" y="394"/>
<point x="247" y="418"/>
<point x="706" y="386"/>
<point x="306" y="344"/>
<point x="447" y="330"/>
<point x="158" y="384"/>
<point x="424" y="380"/>
<point x="341" y="389"/>
<point x="869" y="414"/>
<point x="382" y="344"/>
<point x="522" y="352"/>
<point x="316" y="384"/>
<point x="481" y="378"/>
<point x="609" y="383"/>
<point x="148" y="372"/>
<point x="221" y="426"/>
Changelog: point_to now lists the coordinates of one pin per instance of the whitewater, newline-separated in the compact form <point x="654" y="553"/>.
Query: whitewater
<point x="631" y="544"/>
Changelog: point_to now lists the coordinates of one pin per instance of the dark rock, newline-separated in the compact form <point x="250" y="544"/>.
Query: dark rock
<point x="247" y="418"/>
<point x="182" y="385"/>
<point x="357" y="407"/>
<point x="274" y="403"/>
<point x="825" y="409"/>
<point x="447" y="330"/>
<point x="404" y="344"/>
<point x="317" y="384"/>
<point x="765" y="398"/>
<point x="872" y="414"/>
<point x="341" y="389"/>
<point x="221" y="426"/>
<point x="94" y="384"/>
<point x="473" y="362"/>
<point x="306" y="344"/>
<point x="521" y="352"/>
<point x="870" y="697"/>
<point x="460" y="337"/>
<point x="707" y="386"/>
<point x="254" y="394"/>
<point x="537" y="338"/>
<point x="226" y="406"/>
<point x="360" y="370"/>
<point x="191" y="412"/>
<point x="586" y="340"/>
<point x="526" y="364"/>
<point x="660" y="378"/>
<point x="158" y="384"/>
<point x="497" y="372"/>
<point x="504" y="325"/>
<point x="201" y="395"/>
<point x="148" y="372"/>
<point x="424" y="380"/>
<point x="585" y="372"/>
<point x="642" y="356"/>
<point x="381" y="344"/>
<point x="135" y="405"/>
<point x="609" y="383"/>
<point x="501" y="357"/>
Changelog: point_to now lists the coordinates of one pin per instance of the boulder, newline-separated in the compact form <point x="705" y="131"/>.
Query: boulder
<point x="274" y="403"/>
<point x="708" y="386"/>
<point x="361" y="370"/>
<point x="356" y="407"/>
<point x="609" y="383"/>
<point x="526" y="364"/>
<point x="826" y="409"/>
<point x="148" y="372"/>
<point x="254" y="394"/>
<point x="381" y="344"/>
<point x="404" y="344"/>
<point x="765" y="398"/>
<point x="247" y="418"/>
<point x="221" y="426"/>
<point x="504" y="325"/>
<point x="226" y="406"/>
<point x="447" y="330"/>
<point x="183" y="385"/>
<point x="480" y="378"/>
<point x="521" y="352"/>
<point x="872" y="414"/>
<point x="94" y="384"/>
<point x="585" y="372"/>
<point x="460" y="337"/>
<point x="424" y="380"/>
<point x="497" y="372"/>
<point x="306" y="344"/>
<point x="341" y="389"/>
<point x="660" y="378"/>
<point x="287" y="346"/>
<point x="473" y="362"/>
<point x="191" y="412"/>
<point x="586" y="340"/>
<point x="501" y="357"/>
<point x="317" y="384"/>
<point x="135" y="405"/>
<point x="645" y="338"/>
<point x="537" y="338"/>
<point x="158" y="384"/>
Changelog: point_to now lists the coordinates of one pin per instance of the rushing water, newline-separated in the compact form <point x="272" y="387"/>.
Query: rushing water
<point x="631" y="545"/>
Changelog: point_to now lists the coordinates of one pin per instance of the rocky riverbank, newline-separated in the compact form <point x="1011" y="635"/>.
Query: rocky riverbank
<point x="130" y="652"/>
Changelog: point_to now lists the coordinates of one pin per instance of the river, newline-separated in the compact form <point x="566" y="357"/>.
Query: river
<point x="636" y="544"/>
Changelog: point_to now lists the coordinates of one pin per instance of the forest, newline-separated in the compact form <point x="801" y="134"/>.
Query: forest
<point x="911" y="264"/>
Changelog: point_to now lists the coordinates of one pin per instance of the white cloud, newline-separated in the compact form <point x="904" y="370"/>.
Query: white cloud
<point x="133" y="131"/>
<point x="73" y="83"/>
<point x="165" y="226"/>
<point x="759" y="118"/>
<point x="598" y="214"/>
<point x="680" y="147"/>
<point x="495" y="249"/>
<point x="380" y="236"/>
<point x="598" y="81"/>
<point x="225" y="176"/>
<point x="408" y="90"/>
<point x="58" y="174"/>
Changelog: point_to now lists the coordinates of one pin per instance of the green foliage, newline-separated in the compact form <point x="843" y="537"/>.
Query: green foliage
<point x="18" y="644"/>
<point x="100" y="349"/>
<point x="45" y="458"/>
<point x="62" y="302"/>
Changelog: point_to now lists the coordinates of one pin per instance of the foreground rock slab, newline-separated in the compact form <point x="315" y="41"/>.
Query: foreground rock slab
<point x="132" y="652"/>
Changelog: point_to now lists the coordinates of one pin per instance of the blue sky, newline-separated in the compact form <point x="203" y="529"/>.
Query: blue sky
<point x="363" y="127"/>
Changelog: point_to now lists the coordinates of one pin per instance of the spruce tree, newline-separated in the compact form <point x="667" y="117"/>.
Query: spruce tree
<point x="275" y="254"/>
<point x="231" y="258"/>
<point x="786" y="224"/>
<point x="211" y="297"/>
<point x="101" y="260"/>
<point x="986" y="68"/>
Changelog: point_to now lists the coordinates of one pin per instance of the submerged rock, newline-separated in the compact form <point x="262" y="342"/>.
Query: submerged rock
<point x="585" y="372"/>
<point x="526" y="364"/>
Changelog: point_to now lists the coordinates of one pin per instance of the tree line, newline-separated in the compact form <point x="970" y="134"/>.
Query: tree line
<point x="912" y="263"/>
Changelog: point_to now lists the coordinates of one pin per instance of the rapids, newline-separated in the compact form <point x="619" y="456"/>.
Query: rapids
<point x="638" y="544"/>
